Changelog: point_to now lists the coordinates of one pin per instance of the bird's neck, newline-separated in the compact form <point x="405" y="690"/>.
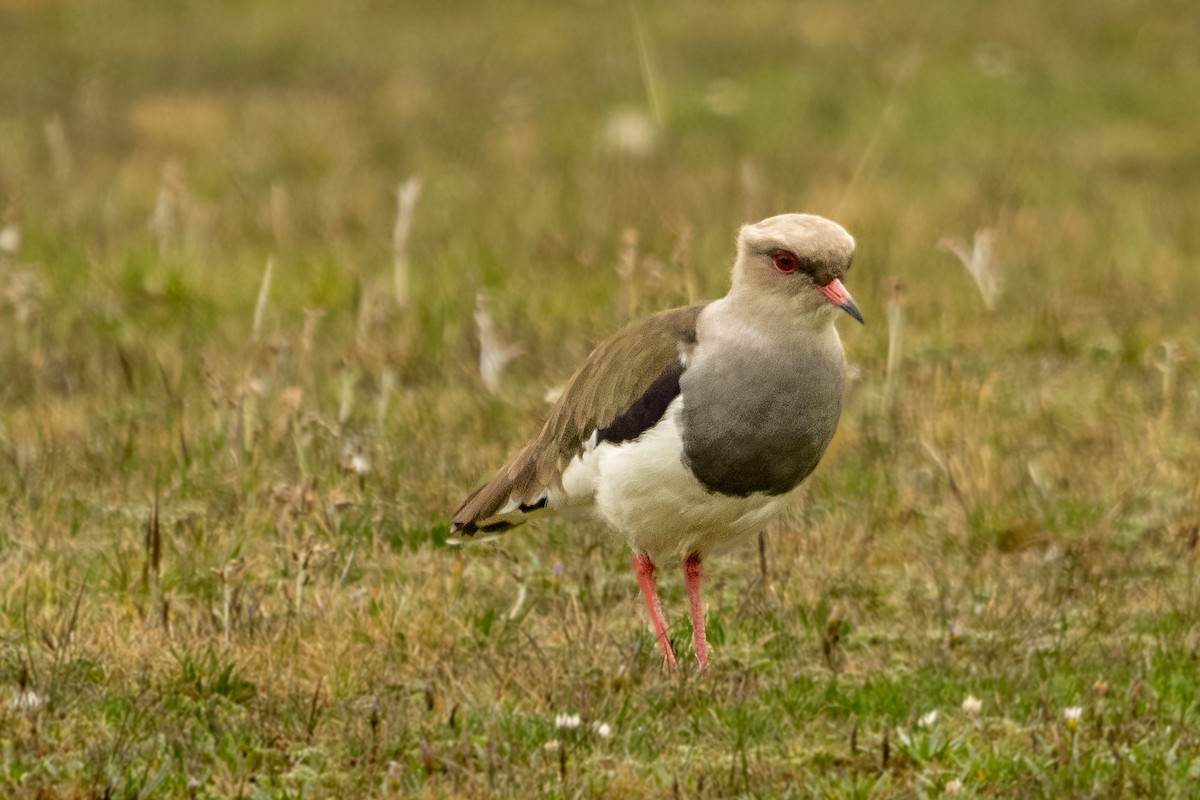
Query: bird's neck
<point x="769" y="317"/>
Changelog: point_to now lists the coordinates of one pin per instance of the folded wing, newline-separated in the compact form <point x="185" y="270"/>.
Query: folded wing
<point x="621" y="390"/>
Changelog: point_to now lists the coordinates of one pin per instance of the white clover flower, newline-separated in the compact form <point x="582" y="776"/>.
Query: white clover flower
<point x="1072" y="716"/>
<point x="27" y="700"/>
<point x="972" y="705"/>
<point x="953" y="787"/>
<point x="602" y="729"/>
<point x="928" y="720"/>
<point x="567" y="722"/>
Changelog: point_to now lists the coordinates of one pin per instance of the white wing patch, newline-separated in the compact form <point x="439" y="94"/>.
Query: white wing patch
<point x="685" y="352"/>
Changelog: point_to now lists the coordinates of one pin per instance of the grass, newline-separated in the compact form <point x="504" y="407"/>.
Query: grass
<point x="222" y="559"/>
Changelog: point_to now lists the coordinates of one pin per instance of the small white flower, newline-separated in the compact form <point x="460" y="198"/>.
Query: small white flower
<point x="567" y="722"/>
<point x="972" y="705"/>
<point x="928" y="720"/>
<point x="953" y="787"/>
<point x="27" y="700"/>
<point x="10" y="239"/>
<point x="360" y="464"/>
<point x="552" y="746"/>
<point x="602" y="729"/>
<point x="630" y="133"/>
<point x="1072" y="716"/>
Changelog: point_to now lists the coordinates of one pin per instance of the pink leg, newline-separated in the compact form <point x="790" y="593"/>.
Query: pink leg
<point x="692" y="572"/>
<point x="643" y="567"/>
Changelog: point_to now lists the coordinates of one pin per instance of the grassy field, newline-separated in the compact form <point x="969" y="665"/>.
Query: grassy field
<point x="224" y="499"/>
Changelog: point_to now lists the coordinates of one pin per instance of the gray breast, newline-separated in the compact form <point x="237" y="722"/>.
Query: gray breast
<point x="756" y="421"/>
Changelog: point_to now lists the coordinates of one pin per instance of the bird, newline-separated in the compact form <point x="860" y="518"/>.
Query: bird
<point x="688" y="430"/>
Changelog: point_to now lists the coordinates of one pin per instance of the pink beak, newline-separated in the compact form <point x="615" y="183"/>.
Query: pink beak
<point x="837" y="294"/>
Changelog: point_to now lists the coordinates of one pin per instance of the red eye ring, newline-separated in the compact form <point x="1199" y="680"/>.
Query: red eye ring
<point x="785" y="262"/>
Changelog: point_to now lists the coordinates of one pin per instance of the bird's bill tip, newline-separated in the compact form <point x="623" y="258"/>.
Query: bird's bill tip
<point x="836" y="291"/>
<point x="852" y="309"/>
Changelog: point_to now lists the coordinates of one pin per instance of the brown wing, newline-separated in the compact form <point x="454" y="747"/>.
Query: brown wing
<point x="620" y="381"/>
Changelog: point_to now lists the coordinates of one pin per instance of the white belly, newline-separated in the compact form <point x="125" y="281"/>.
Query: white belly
<point x="643" y="490"/>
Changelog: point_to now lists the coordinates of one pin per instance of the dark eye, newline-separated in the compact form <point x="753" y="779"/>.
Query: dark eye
<point x="785" y="262"/>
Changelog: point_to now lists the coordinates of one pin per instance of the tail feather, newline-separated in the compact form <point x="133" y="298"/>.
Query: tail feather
<point x="504" y="502"/>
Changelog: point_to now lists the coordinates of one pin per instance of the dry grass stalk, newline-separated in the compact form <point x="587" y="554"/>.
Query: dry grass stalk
<point x="260" y="305"/>
<point x="831" y="638"/>
<point x="754" y="190"/>
<point x="762" y="556"/>
<point x="152" y="568"/>
<point x="1168" y="365"/>
<point x="895" y="317"/>
<point x="978" y="263"/>
<point x="494" y="353"/>
<point x="943" y="464"/>
<point x="170" y="209"/>
<point x="627" y="261"/>
<point x="519" y="603"/>
<point x="902" y="72"/>
<point x="60" y="149"/>
<point x="229" y="576"/>
<point x="24" y="294"/>
<point x="407" y="195"/>
<point x="307" y="558"/>
<point x="646" y="64"/>
<point x="346" y="394"/>
<point x="247" y="422"/>
<point x="312" y="316"/>
<point x="281" y="220"/>
<point x="681" y="259"/>
<point x="387" y="387"/>
<point x="362" y="323"/>
<point x="314" y="707"/>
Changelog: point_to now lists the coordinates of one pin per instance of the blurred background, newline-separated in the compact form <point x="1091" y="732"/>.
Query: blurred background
<point x="542" y="131"/>
<point x="281" y="281"/>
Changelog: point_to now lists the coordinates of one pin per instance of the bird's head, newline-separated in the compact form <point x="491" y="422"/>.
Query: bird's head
<point x="801" y="257"/>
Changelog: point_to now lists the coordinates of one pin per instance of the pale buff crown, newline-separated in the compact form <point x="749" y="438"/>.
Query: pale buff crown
<point x="823" y="249"/>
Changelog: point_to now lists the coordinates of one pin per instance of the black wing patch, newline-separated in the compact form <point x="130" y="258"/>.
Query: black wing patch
<point x="471" y="528"/>
<point x="646" y="411"/>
